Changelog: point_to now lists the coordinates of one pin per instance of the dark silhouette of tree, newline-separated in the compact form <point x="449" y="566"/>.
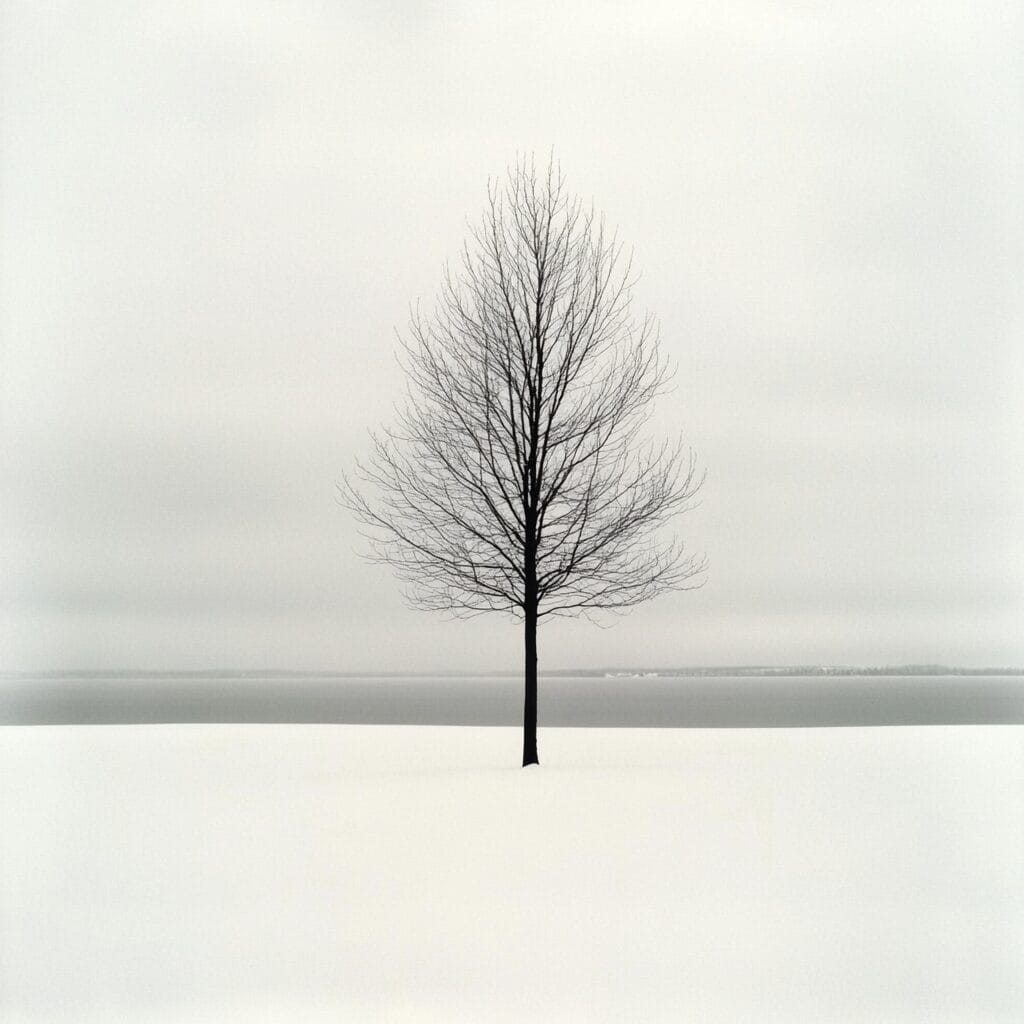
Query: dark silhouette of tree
<point x="515" y="479"/>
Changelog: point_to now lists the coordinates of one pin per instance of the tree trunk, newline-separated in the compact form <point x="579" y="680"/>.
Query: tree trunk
<point x="530" y="675"/>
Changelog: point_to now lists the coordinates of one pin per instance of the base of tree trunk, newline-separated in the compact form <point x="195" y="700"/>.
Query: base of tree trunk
<point x="530" y="680"/>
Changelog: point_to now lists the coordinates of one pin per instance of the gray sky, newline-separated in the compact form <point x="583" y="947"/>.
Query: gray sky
<point x="214" y="216"/>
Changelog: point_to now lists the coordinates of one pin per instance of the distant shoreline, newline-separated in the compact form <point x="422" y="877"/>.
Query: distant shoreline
<point x="697" y="672"/>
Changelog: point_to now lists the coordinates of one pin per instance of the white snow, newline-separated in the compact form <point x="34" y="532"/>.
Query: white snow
<point x="407" y="873"/>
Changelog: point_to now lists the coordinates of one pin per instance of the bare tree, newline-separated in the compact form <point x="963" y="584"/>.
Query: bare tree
<point x="515" y="479"/>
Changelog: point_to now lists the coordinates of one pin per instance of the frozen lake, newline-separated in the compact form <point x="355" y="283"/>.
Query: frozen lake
<point x="726" y="702"/>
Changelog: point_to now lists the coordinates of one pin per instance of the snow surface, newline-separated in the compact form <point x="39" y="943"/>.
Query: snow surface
<point x="410" y="873"/>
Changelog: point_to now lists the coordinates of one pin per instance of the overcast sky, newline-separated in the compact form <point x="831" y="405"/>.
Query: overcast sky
<point x="215" y="216"/>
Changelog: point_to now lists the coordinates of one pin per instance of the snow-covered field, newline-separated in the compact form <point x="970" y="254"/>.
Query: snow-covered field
<point x="406" y="873"/>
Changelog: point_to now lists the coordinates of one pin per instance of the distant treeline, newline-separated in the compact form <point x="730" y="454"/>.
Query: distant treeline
<point x="568" y="673"/>
<point x="796" y="670"/>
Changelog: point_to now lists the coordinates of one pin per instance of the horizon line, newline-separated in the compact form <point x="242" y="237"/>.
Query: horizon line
<point x="907" y="668"/>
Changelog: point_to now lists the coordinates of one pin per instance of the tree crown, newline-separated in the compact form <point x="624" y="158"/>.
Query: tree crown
<point x="516" y="475"/>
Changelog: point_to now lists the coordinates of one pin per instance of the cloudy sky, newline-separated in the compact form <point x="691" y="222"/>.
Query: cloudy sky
<point x="215" y="216"/>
